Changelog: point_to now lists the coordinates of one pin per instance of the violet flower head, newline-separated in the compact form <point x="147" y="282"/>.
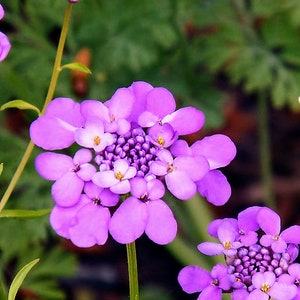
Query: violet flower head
<point x="260" y="266"/>
<point x="130" y="147"/>
<point x="4" y="41"/>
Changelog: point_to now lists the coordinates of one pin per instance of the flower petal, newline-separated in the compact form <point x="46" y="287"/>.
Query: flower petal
<point x="210" y="248"/>
<point x="161" y="226"/>
<point x="129" y="220"/>
<point x="269" y="221"/>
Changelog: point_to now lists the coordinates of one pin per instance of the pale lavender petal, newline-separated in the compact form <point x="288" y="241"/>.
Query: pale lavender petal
<point x="67" y="189"/>
<point x="91" y="226"/>
<point x="186" y="120"/>
<point x="52" y="166"/>
<point x="180" y="185"/>
<point x="105" y="179"/>
<point x="240" y="294"/>
<point x="266" y="240"/>
<point x="194" y="279"/>
<point x="282" y="290"/>
<point x="130" y="173"/>
<point x="159" y="168"/>
<point x="259" y="278"/>
<point x="194" y="167"/>
<point x="165" y="156"/>
<point x="227" y="232"/>
<point x="129" y="221"/>
<point x="86" y="172"/>
<point x="160" y="102"/>
<point x="214" y="187"/>
<point x="121" y="165"/>
<point x="279" y="245"/>
<point x="82" y="156"/>
<point x="291" y="234"/>
<point x="121" y="103"/>
<point x="122" y="187"/>
<point x="147" y="119"/>
<point x="161" y="226"/>
<point x="249" y="239"/>
<point x="257" y="294"/>
<point x="67" y="110"/>
<point x="123" y="126"/>
<point x="51" y="133"/>
<point x="269" y="221"/>
<point x="218" y="149"/>
<point x="210" y="248"/>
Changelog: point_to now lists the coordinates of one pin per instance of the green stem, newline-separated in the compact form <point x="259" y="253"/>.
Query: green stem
<point x="52" y="86"/>
<point x="265" y="150"/>
<point x="132" y="271"/>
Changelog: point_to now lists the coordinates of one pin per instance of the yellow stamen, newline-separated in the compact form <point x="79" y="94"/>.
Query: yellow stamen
<point x="265" y="288"/>
<point x="227" y="245"/>
<point x="97" y="140"/>
<point x="161" y="141"/>
<point x="119" y="175"/>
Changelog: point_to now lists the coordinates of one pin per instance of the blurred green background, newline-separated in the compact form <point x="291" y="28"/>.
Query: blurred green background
<point x="221" y="56"/>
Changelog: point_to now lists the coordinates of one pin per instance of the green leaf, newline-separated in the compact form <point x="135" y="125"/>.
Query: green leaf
<point x="75" y="66"/>
<point x="19" y="279"/>
<point x="20" y="104"/>
<point x="23" y="213"/>
<point x="1" y="168"/>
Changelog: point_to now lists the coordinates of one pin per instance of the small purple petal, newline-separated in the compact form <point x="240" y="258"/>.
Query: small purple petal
<point x="105" y="179"/>
<point x="211" y="292"/>
<point x="161" y="226"/>
<point x="122" y="187"/>
<point x="93" y="108"/>
<point x="257" y="294"/>
<point x="4" y="46"/>
<point x="129" y="220"/>
<point x="180" y="148"/>
<point x="211" y="248"/>
<point x="291" y="234"/>
<point x="247" y="219"/>
<point x="83" y="156"/>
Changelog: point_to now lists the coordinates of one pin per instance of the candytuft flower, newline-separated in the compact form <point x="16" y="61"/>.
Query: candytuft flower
<point x="255" y="268"/>
<point x="129" y="147"/>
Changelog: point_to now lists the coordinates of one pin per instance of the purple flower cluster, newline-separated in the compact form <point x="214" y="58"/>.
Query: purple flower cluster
<point x="260" y="259"/>
<point x="127" y="150"/>
<point x="4" y="42"/>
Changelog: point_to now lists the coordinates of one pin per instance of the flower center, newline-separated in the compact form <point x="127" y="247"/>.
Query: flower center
<point x="161" y="141"/>
<point x="227" y="245"/>
<point x="265" y="288"/>
<point x="119" y="175"/>
<point x="96" y="201"/>
<point x="97" y="140"/>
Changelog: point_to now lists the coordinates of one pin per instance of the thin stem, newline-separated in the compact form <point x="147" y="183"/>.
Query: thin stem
<point x="265" y="150"/>
<point x="52" y="86"/>
<point x="132" y="271"/>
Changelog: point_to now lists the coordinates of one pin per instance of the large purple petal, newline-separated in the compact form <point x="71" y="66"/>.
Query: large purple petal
<point x="186" y="120"/>
<point x="194" y="167"/>
<point x="180" y="185"/>
<point x="194" y="279"/>
<point x="218" y="149"/>
<point x="160" y="102"/>
<point x="91" y="226"/>
<point x="269" y="221"/>
<point x="247" y="219"/>
<point x="121" y="103"/>
<point x="214" y="187"/>
<point x="67" y="110"/>
<point x="291" y="234"/>
<point x="4" y="46"/>
<point x="51" y="133"/>
<point x="1" y="12"/>
<point x="129" y="221"/>
<point x="161" y="227"/>
<point x="93" y="108"/>
<point x="52" y="166"/>
<point x="67" y="189"/>
<point x="227" y="232"/>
